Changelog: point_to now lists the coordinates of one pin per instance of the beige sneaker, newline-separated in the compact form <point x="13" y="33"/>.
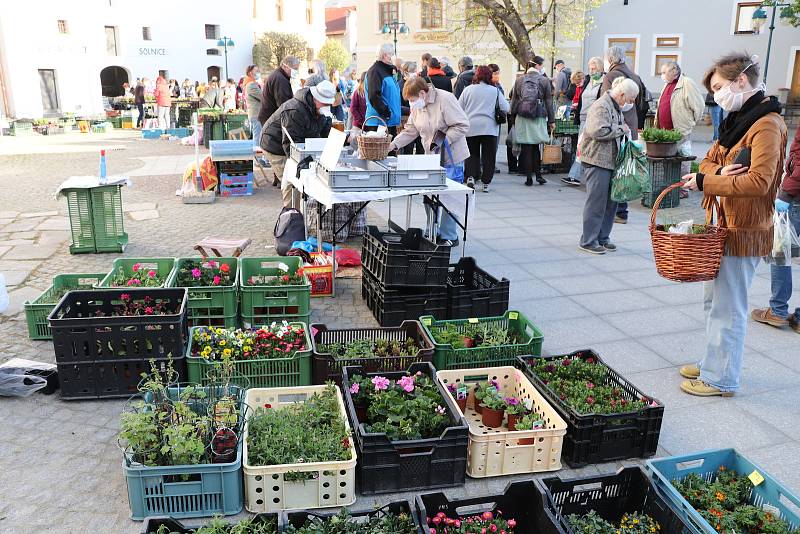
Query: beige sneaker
<point x="690" y="371"/>
<point x="701" y="389"/>
<point x="765" y="315"/>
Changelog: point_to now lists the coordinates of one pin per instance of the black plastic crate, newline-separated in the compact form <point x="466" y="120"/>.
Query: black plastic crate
<point x="595" y="438"/>
<point x="663" y="173"/>
<point x="152" y="524"/>
<point x="404" y="259"/>
<point x="522" y="501"/>
<point x="185" y="116"/>
<point x="611" y="497"/>
<point x="236" y="167"/>
<point x="387" y="466"/>
<point x="298" y="519"/>
<point x="472" y="292"/>
<point x="104" y="357"/>
<point x="391" y="307"/>
<point x="326" y="367"/>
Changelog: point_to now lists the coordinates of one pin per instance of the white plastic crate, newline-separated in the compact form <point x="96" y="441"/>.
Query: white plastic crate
<point x="265" y="488"/>
<point x="496" y="451"/>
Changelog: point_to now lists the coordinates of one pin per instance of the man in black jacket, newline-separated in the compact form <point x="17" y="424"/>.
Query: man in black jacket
<point x="302" y="116"/>
<point x="465" y="77"/>
<point x="277" y="88"/>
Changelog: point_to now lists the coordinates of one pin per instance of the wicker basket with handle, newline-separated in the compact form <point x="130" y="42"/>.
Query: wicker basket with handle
<point x="688" y="257"/>
<point x="551" y="155"/>
<point x="373" y="147"/>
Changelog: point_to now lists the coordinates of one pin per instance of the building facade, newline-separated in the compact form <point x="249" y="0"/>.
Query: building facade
<point x="59" y="56"/>
<point x="304" y="17"/>
<point x="341" y="24"/>
<point x="693" y="34"/>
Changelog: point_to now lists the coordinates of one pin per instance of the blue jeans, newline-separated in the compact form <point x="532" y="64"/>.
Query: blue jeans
<point x="255" y="129"/>
<point x="725" y="303"/>
<point x="448" y="227"/>
<point x="782" y="275"/>
<point x="716" y="119"/>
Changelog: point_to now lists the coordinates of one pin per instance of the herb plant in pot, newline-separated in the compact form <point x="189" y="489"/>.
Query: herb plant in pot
<point x="460" y="394"/>
<point x="531" y="421"/>
<point x="515" y="410"/>
<point x="494" y="407"/>
<point x="481" y="390"/>
<point x="661" y="143"/>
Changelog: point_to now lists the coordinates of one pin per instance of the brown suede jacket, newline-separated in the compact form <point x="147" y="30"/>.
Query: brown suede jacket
<point x="748" y="199"/>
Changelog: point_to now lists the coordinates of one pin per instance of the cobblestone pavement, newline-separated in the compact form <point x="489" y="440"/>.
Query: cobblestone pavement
<point x="60" y="468"/>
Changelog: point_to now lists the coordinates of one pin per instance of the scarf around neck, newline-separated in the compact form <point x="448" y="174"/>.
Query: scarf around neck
<point x="737" y="123"/>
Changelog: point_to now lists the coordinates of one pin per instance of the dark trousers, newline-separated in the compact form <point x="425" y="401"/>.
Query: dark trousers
<point x="530" y="160"/>
<point x="140" y="120"/>
<point x="413" y="148"/>
<point x="513" y="165"/>
<point x="482" y="153"/>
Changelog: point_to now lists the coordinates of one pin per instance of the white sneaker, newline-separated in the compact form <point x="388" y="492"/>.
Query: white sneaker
<point x="485" y="188"/>
<point x="471" y="182"/>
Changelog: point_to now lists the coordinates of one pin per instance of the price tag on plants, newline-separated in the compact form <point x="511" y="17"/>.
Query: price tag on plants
<point x="472" y="320"/>
<point x="756" y="478"/>
<point x="461" y="393"/>
<point x="513" y="316"/>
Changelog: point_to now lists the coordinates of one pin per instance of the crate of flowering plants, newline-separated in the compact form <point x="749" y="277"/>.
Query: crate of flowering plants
<point x="375" y="349"/>
<point x="271" y="356"/>
<point x="104" y="338"/>
<point x="621" y="503"/>
<point x="397" y="517"/>
<point x="482" y="342"/>
<point x="273" y="289"/>
<point x="37" y="310"/>
<point x="182" y="448"/>
<point x="139" y="272"/>
<point x="298" y="449"/>
<point x="520" y="509"/>
<point x="512" y="427"/>
<point x="608" y="418"/>
<point x="260" y="524"/>
<point x="723" y="491"/>
<point x="409" y="432"/>
<point x="213" y="294"/>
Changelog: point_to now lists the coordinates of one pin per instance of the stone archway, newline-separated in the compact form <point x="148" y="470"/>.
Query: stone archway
<point x="111" y="80"/>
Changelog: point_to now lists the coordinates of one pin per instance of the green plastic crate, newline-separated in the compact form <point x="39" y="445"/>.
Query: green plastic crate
<point x="265" y="373"/>
<point x="566" y="126"/>
<point x="116" y="122"/>
<point x="108" y="219"/>
<point x="163" y="267"/>
<point x="210" y="304"/>
<point x="79" y="206"/>
<point x="233" y="121"/>
<point x="265" y="304"/>
<point x="446" y="357"/>
<point x="36" y="311"/>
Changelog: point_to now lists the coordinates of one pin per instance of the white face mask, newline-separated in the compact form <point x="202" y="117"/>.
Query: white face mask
<point x="731" y="101"/>
<point x="258" y="75"/>
<point x="293" y="73"/>
<point x="626" y="108"/>
<point x="325" y="111"/>
<point x="419" y="103"/>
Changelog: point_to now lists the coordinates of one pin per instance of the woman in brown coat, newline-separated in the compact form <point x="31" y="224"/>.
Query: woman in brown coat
<point x="754" y="135"/>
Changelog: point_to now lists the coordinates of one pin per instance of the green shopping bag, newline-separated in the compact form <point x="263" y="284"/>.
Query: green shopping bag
<point x="631" y="179"/>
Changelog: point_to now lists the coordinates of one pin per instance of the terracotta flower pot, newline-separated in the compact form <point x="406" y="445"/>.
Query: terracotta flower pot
<point x="477" y="404"/>
<point x="492" y="418"/>
<point x="512" y="421"/>
<point x="462" y="404"/>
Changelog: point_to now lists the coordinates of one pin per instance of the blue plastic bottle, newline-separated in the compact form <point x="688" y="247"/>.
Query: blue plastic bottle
<point x="102" y="165"/>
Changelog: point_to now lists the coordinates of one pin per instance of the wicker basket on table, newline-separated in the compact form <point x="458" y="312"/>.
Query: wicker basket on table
<point x="688" y="257"/>
<point x="374" y="147"/>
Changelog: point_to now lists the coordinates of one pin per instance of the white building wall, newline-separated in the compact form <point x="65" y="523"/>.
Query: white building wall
<point x="30" y="41"/>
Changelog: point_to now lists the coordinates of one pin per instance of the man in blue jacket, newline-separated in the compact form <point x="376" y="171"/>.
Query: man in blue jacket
<point x="383" y="93"/>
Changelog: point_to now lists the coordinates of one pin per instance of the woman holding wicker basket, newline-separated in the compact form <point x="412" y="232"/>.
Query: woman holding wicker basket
<point x="743" y="168"/>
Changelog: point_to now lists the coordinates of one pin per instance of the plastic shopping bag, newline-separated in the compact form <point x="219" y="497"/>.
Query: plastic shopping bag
<point x="783" y="237"/>
<point x="631" y="179"/>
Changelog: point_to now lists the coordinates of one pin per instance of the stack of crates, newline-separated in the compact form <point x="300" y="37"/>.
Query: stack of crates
<point x="235" y="177"/>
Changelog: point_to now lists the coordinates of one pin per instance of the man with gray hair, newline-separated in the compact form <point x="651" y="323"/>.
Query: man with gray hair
<point x="383" y="93"/>
<point x="466" y="73"/>
<point x="448" y="70"/>
<point x="277" y="88"/>
<point x="680" y="106"/>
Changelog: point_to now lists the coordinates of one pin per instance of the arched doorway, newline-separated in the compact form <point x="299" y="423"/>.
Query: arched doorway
<point x="212" y="72"/>
<point x="111" y="80"/>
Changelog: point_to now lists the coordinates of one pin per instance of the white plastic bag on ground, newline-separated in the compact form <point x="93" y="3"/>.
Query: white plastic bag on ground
<point x="782" y="239"/>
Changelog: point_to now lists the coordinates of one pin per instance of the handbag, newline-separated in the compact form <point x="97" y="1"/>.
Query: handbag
<point x="551" y="155"/>
<point x="452" y="170"/>
<point x="500" y="116"/>
<point x="289" y="227"/>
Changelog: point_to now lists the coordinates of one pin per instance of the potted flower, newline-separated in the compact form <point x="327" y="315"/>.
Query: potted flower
<point x="530" y="421"/>
<point x="138" y="277"/>
<point x="488" y="522"/>
<point x="515" y="409"/>
<point x="481" y="390"/>
<point x="459" y="394"/>
<point x="661" y="143"/>
<point x="493" y="409"/>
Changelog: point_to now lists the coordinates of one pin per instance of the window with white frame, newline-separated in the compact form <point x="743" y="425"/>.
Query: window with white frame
<point x="629" y="45"/>
<point x="744" y="17"/>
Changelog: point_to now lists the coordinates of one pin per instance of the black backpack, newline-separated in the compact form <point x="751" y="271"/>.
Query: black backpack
<point x="530" y="98"/>
<point x="289" y="227"/>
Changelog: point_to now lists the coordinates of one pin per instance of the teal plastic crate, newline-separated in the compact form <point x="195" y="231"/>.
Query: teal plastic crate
<point x="769" y="493"/>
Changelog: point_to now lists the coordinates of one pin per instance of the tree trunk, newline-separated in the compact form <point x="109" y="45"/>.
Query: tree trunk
<point x="511" y="28"/>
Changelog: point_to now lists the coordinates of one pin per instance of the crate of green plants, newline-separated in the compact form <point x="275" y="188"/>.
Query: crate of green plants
<point x="182" y="448"/>
<point x="139" y="272"/>
<point x="260" y="524"/>
<point x="273" y="289"/>
<point x="375" y="349"/>
<point x="623" y="502"/>
<point x="212" y="283"/>
<point x="397" y="517"/>
<point x="278" y="355"/>
<point x="566" y="127"/>
<point x="37" y="310"/>
<point x="482" y="342"/>
<point x="723" y="491"/>
<point x="608" y="418"/>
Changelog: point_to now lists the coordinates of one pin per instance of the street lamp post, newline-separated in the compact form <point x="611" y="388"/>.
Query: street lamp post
<point x="224" y="44"/>
<point x="759" y="19"/>
<point x="394" y="27"/>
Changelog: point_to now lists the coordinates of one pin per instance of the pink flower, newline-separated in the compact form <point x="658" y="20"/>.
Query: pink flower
<point x="125" y="296"/>
<point x="151" y="274"/>
<point x="354" y="388"/>
<point x="441" y="410"/>
<point x="196" y="272"/>
<point x="493" y="527"/>
<point x="487" y="516"/>
<point x="407" y="383"/>
<point x="136" y="267"/>
<point x="130" y="282"/>
<point x="380" y="382"/>
<point x="512" y="523"/>
<point x="589" y="385"/>
<point x="136" y="281"/>
<point x="216" y="280"/>
<point x="148" y="310"/>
